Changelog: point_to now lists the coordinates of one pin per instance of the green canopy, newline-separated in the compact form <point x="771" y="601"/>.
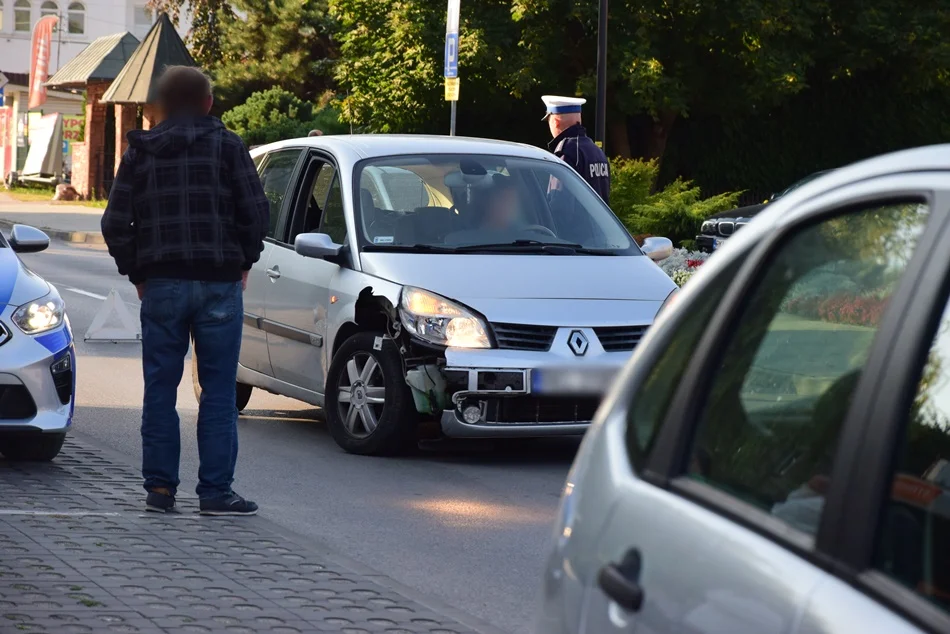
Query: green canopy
<point x="100" y="61"/>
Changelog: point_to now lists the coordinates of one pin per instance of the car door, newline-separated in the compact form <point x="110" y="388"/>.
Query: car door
<point x="736" y="431"/>
<point x="277" y="171"/>
<point x="298" y="293"/>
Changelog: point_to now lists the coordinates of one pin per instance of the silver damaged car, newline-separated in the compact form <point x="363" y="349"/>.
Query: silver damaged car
<point x="414" y="283"/>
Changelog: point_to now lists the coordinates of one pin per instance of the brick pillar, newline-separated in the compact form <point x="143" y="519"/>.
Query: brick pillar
<point x="125" y="115"/>
<point x="151" y="116"/>
<point x="95" y="140"/>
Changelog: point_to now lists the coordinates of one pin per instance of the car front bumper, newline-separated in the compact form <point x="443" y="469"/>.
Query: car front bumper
<point x="37" y="380"/>
<point x="497" y="393"/>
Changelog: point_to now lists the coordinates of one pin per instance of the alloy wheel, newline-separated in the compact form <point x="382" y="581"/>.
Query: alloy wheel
<point x="361" y="395"/>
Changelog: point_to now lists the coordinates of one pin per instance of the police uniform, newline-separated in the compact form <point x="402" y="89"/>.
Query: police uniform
<point x="577" y="149"/>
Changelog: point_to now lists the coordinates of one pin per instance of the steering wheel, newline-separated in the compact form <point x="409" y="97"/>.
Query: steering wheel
<point x="539" y="229"/>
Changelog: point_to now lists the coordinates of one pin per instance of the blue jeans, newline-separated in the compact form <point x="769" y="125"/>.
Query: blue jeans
<point x="172" y="312"/>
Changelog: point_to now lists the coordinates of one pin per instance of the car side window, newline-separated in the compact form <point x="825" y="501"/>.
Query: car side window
<point x="334" y="222"/>
<point x="769" y="424"/>
<point x="652" y="400"/>
<point x="276" y="173"/>
<point x="913" y="544"/>
<point x="310" y="207"/>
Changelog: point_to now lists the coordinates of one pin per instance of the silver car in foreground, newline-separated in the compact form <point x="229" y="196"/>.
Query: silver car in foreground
<point x="412" y="280"/>
<point x="774" y="457"/>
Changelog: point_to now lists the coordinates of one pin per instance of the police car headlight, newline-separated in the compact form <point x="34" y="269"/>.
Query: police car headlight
<point x="40" y="315"/>
<point x="440" y="321"/>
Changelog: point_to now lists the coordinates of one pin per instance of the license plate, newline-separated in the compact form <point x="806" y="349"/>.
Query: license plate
<point x="580" y="380"/>
<point x="718" y="242"/>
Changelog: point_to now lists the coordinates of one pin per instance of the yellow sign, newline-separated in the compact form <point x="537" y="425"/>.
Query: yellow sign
<point x="72" y="127"/>
<point x="451" y="88"/>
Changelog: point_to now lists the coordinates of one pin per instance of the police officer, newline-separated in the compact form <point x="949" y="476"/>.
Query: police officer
<point x="572" y="144"/>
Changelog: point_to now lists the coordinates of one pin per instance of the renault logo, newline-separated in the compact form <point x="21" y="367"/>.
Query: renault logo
<point x="578" y="343"/>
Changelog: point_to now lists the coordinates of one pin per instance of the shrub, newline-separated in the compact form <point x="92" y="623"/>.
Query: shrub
<point x="276" y="114"/>
<point x="675" y="212"/>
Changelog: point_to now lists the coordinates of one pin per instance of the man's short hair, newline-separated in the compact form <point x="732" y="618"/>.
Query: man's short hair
<point x="183" y="91"/>
<point x="315" y="133"/>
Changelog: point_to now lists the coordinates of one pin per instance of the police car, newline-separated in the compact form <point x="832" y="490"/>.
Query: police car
<point x="37" y="356"/>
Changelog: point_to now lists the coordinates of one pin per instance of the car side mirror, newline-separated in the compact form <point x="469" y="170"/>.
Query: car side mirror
<point x="316" y="245"/>
<point x="26" y="239"/>
<point x="657" y="249"/>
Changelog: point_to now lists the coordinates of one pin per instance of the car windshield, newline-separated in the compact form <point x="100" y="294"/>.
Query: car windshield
<point x="798" y="184"/>
<point x="477" y="203"/>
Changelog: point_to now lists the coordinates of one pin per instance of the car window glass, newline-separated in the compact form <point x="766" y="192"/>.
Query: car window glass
<point x="276" y="174"/>
<point x="913" y="545"/>
<point x="769" y="425"/>
<point x="469" y="201"/>
<point x="310" y="208"/>
<point x="653" y="398"/>
<point x="334" y="222"/>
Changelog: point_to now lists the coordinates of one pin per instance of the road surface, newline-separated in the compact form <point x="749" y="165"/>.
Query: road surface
<point x="466" y="523"/>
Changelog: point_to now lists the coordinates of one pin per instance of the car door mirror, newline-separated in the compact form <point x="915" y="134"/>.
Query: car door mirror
<point x="316" y="245"/>
<point x="26" y="239"/>
<point x="657" y="249"/>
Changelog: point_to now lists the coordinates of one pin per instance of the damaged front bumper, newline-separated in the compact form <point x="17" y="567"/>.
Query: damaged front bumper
<point x="493" y="393"/>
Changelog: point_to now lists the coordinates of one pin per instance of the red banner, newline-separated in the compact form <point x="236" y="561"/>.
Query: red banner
<point x="7" y="140"/>
<point x="39" y="67"/>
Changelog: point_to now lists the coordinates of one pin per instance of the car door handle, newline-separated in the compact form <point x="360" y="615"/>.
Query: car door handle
<point x="273" y="273"/>
<point x="621" y="582"/>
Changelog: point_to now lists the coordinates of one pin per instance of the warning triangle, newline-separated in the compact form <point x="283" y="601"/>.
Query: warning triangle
<point x="114" y="322"/>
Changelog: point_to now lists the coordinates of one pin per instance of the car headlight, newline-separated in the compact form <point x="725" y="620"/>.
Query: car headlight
<point x="40" y="315"/>
<point x="437" y="320"/>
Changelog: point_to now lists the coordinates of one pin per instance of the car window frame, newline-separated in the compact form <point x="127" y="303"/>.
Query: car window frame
<point x="300" y="196"/>
<point x="666" y="465"/>
<point x="289" y="202"/>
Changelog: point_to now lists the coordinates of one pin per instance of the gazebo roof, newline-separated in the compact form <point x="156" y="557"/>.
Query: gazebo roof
<point x="100" y="61"/>
<point x="136" y="82"/>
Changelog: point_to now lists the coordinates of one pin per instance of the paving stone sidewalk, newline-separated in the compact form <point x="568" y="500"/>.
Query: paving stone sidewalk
<point x="78" y="554"/>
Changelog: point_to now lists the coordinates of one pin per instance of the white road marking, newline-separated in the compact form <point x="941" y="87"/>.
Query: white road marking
<point x="86" y="293"/>
<point x="57" y="513"/>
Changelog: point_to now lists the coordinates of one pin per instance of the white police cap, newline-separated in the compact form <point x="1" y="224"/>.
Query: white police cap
<point x="561" y="105"/>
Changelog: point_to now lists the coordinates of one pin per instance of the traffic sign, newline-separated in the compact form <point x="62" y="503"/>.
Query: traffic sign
<point x="451" y="55"/>
<point x="451" y="88"/>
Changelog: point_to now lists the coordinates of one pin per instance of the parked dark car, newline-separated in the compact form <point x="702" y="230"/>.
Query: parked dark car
<point x="718" y="227"/>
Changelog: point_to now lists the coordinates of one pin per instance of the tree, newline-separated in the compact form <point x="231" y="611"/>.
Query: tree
<point x="275" y="114"/>
<point x="205" y="37"/>
<point x="277" y="43"/>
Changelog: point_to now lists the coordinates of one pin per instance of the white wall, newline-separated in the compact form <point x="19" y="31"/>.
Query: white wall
<point x="102" y="17"/>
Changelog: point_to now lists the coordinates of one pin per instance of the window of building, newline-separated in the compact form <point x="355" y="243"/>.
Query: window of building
<point x="48" y="8"/>
<point x="77" y="18"/>
<point x="1" y="15"/>
<point x="21" y="16"/>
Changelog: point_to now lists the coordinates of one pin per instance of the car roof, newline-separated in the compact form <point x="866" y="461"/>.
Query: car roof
<point x="362" y="146"/>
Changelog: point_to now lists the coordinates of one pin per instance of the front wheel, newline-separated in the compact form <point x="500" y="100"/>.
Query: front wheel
<point x="243" y="390"/>
<point x="32" y="447"/>
<point x="369" y="407"/>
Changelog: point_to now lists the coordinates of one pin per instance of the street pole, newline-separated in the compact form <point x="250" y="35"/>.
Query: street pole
<point x="600" y="130"/>
<point x="59" y="38"/>
<point x="451" y="71"/>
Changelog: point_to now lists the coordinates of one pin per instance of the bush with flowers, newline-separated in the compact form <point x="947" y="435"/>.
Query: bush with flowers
<point x="682" y="264"/>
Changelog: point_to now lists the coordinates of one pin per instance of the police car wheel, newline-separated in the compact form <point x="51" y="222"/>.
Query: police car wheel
<point x="243" y="390"/>
<point x="31" y="447"/>
<point x="369" y="408"/>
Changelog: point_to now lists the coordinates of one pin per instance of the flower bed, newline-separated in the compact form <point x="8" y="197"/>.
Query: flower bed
<point x="682" y="264"/>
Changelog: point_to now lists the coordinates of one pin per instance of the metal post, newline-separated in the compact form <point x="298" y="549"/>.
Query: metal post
<point x="600" y="130"/>
<point x="452" y="125"/>
<point x="59" y="38"/>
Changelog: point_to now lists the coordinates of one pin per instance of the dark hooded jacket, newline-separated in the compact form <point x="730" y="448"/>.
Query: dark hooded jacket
<point x="186" y="203"/>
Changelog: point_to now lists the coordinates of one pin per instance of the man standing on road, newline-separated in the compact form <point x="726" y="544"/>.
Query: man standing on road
<point x="573" y="146"/>
<point x="185" y="222"/>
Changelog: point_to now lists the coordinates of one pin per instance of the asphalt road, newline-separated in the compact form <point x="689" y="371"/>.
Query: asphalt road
<point x="466" y="522"/>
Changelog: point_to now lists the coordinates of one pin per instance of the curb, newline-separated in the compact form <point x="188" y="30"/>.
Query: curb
<point x="83" y="237"/>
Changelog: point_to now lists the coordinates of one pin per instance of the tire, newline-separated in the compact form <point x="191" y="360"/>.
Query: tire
<point x="395" y="418"/>
<point x="243" y="390"/>
<point x="32" y="447"/>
